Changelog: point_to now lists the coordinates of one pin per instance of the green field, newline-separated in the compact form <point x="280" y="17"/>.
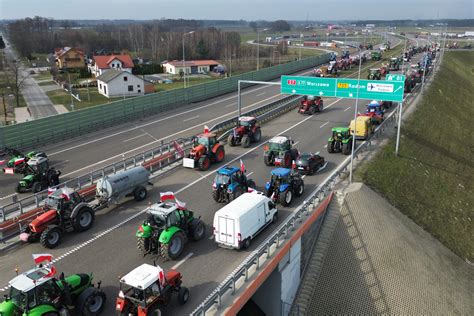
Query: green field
<point x="432" y="181"/>
<point x="64" y="98"/>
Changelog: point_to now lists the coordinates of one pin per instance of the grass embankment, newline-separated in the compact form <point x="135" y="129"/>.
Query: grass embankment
<point x="432" y="181"/>
<point x="64" y="98"/>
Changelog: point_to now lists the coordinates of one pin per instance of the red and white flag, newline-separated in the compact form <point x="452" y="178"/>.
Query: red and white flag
<point x="2" y="162"/>
<point x="242" y="166"/>
<point x="178" y="148"/>
<point x="206" y="129"/>
<point x="41" y="257"/>
<point x="51" y="273"/>
<point x="165" y="196"/>
<point x="65" y="194"/>
<point x="293" y="165"/>
<point x="9" y="171"/>
<point x="51" y="190"/>
<point x="19" y="161"/>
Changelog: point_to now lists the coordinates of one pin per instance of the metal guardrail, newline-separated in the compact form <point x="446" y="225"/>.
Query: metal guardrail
<point x="252" y="262"/>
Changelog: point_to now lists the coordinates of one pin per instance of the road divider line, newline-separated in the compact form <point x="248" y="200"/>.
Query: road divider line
<point x="191" y="118"/>
<point x="189" y="255"/>
<point x="141" y="135"/>
<point x="260" y="94"/>
<point x="121" y="155"/>
<point x="150" y="123"/>
<point x="7" y="196"/>
<point x="324" y="125"/>
<point x="229" y="105"/>
<point x="348" y="109"/>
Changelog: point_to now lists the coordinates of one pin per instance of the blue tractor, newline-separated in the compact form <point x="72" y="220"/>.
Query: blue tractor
<point x="283" y="185"/>
<point x="230" y="183"/>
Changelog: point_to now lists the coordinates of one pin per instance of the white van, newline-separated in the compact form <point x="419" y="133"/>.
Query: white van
<point x="241" y="220"/>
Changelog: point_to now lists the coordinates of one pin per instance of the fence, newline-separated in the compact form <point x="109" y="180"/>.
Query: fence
<point x="270" y="246"/>
<point x="73" y="124"/>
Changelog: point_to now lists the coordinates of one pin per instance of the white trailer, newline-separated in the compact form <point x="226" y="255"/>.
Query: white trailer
<point x="237" y="223"/>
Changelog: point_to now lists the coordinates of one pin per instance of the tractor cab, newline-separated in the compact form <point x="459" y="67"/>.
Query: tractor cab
<point x="374" y="107"/>
<point x="247" y="121"/>
<point x="166" y="214"/>
<point x="63" y="199"/>
<point x="280" y="176"/>
<point x="375" y="74"/>
<point x="146" y="288"/>
<point x="340" y="133"/>
<point x="33" y="289"/>
<point x="206" y="139"/>
<point x="228" y="175"/>
<point x="280" y="143"/>
<point x="38" y="165"/>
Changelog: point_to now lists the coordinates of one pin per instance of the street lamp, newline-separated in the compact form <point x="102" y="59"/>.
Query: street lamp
<point x="258" y="47"/>
<point x="355" y="117"/>
<point x="184" y="60"/>
<point x="301" y="44"/>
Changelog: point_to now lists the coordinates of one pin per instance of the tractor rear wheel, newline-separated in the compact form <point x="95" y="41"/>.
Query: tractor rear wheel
<point x="140" y="193"/>
<point x="36" y="187"/>
<point x="204" y="163"/>
<point x="268" y="159"/>
<point x="51" y="237"/>
<point x="286" y="160"/>
<point x="313" y="109"/>
<point x="198" y="229"/>
<point x="346" y="148"/>
<point x="173" y="249"/>
<point x="245" y="141"/>
<point x="19" y="188"/>
<point x="257" y="136"/>
<point x="220" y="154"/>
<point x="286" y="197"/>
<point x="300" y="189"/>
<point x="91" y="302"/>
<point x="231" y="140"/>
<point x="320" y="107"/>
<point x="84" y="219"/>
<point x="183" y="295"/>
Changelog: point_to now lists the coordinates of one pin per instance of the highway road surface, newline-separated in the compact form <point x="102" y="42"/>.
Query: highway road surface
<point x="108" y="249"/>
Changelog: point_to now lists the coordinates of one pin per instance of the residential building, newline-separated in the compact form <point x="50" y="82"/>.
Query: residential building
<point x="102" y="63"/>
<point x="69" y="57"/>
<point x="190" y="67"/>
<point x="118" y="83"/>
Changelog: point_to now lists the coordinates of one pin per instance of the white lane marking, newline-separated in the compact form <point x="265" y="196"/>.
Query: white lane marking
<point x="191" y="118"/>
<point x="260" y="94"/>
<point x="212" y="236"/>
<point x="105" y="232"/>
<point x="149" y="135"/>
<point x="7" y="196"/>
<point x="249" y="174"/>
<point x="158" y="140"/>
<point x="189" y="255"/>
<point x="326" y="146"/>
<point x="151" y="123"/>
<point x="324" y="125"/>
<point x="348" y="109"/>
<point x="141" y="135"/>
<point x="232" y="104"/>
<point x="302" y="177"/>
<point x="60" y="163"/>
<point x="296" y="143"/>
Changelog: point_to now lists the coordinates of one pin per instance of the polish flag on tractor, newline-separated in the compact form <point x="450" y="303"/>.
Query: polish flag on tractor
<point x="178" y="148"/>
<point x="165" y="196"/>
<point x="206" y="129"/>
<point x="242" y="166"/>
<point x="42" y="257"/>
<point x="2" y="162"/>
<point x="51" y="190"/>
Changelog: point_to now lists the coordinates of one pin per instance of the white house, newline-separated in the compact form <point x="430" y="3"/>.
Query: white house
<point x="120" y="83"/>
<point x="102" y="63"/>
<point x="190" y="67"/>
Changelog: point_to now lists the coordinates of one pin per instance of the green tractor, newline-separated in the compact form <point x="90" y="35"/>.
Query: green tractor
<point x="394" y="64"/>
<point x="38" y="293"/>
<point x="340" y="141"/>
<point x="18" y="160"/>
<point x="280" y="152"/>
<point x="38" y="176"/>
<point x="167" y="229"/>
<point x="376" y="55"/>
<point x="374" y="74"/>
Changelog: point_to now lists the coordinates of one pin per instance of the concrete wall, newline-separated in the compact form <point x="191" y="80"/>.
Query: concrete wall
<point x="290" y="270"/>
<point x="268" y="295"/>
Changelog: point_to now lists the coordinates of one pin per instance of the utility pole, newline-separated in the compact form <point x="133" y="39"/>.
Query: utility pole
<point x="4" y="108"/>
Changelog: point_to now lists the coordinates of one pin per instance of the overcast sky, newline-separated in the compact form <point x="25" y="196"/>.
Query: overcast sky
<point x="238" y="9"/>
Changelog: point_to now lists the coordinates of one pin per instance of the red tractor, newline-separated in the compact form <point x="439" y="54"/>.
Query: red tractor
<point x="310" y="105"/>
<point x="247" y="131"/>
<point x="146" y="289"/>
<point x="206" y="150"/>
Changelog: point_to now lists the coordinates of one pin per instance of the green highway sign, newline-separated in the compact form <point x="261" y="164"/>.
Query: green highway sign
<point x="387" y="90"/>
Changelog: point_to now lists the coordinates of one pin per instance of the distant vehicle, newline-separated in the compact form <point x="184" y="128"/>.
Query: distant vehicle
<point x="237" y="223"/>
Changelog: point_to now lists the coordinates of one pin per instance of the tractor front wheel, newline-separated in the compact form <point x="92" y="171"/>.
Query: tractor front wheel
<point x="300" y="189"/>
<point x="220" y="154"/>
<point x="84" y="219"/>
<point x="36" y="187"/>
<point x="268" y="159"/>
<point x="91" y="302"/>
<point x="245" y="141"/>
<point x="198" y="229"/>
<point x="183" y="295"/>
<point x="173" y="249"/>
<point x="330" y="147"/>
<point x="19" y="188"/>
<point x="216" y="195"/>
<point x="51" y="237"/>
<point x="204" y="163"/>
<point x="236" y="193"/>
<point x="143" y="244"/>
<point x="346" y="148"/>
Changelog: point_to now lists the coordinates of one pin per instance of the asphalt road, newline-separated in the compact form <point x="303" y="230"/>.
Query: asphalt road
<point x="36" y="99"/>
<point x="108" y="249"/>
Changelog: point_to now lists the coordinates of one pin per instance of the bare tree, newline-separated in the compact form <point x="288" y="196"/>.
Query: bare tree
<point x="15" y="77"/>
